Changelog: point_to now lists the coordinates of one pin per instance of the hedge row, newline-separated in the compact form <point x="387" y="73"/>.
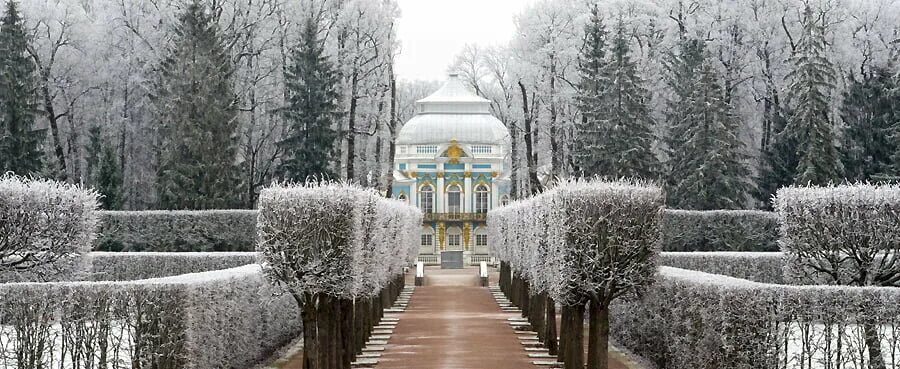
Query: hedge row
<point x="765" y="267"/>
<point x="123" y="266"/>
<point x="692" y="320"/>
<point x="219" y="319"/>
<point x="234" y="230"/>
<point x="719" y="230"/>
<point x="167" y="231"/>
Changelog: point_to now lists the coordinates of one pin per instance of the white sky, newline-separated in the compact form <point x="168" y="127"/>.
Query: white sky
<point x="432" y="32"/>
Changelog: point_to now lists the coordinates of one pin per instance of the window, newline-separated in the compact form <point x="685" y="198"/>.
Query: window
<point x="504" y="200"/>
<point x="428" y="149"/>
<point x="453" y="240"/>
<point x="482" y="199"/>
<point x="481" y="149"/>
<point x="480" y="240"/>
<point x="403" y="149"/>
<point x="454" y="199"/>
<point x="426" y="199"/>
<point x="428" y="240"/>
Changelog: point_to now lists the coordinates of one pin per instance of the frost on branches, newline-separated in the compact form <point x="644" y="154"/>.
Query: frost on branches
<point x="580" y="242"/>
<point x="843" y="235"/>
<point x="47" y="228"/>
<point x="340" y="251"/>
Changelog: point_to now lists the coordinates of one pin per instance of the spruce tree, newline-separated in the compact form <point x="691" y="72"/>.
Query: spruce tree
<point x="590" y="131"/>
<point x="103" y="170"/>
<point x="811" y="83"/>
<point x="870" y="113"/>
<point x="706" y="166"/>
<point x="629" y="138"/>
<point x="19" y="143"/>
<point x="198" y="122"/>
<point x="312" y="110"/>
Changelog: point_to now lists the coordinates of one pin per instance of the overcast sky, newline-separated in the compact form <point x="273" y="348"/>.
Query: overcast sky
<point x="432" y="32"/>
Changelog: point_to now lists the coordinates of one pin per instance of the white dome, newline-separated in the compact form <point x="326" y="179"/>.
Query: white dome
<point x="453" y="112"/>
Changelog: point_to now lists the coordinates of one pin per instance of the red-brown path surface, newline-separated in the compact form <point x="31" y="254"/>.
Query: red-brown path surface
<point x="451" y="323"/>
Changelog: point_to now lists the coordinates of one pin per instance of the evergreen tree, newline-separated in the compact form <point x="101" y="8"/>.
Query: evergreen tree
<point x="811" y="82"/>
<point x="706" y="168"/>
<point x="778" y="161"/>
<point x="194" y="98"/>
<point x="19" y="143"/>
<point x="870" y="112"/>
<point x="629" y="139"/>
<point x="312" y="110"/>
<point x="590" y="133"/>
<point x="104" y="172"/>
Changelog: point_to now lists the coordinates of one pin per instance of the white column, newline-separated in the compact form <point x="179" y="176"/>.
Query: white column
<point x="495" y="194"/>
<point x="439" y="196"/>
<point x="467" y="187"/>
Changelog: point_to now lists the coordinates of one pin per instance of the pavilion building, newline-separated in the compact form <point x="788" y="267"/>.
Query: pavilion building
<point x="450" y="162"/>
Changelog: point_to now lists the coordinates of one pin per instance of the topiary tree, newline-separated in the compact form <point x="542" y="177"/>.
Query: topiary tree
<point x="843" y="235"/>
<point x="46" y="228"/>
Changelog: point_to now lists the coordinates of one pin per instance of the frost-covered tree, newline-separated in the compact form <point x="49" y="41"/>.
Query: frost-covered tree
<point x="629" y="125"/>
<point x="590" y="151"/>
<point x="47" y="227"/>
<point x="811" y="84"/>
<point x="312" y="109"/>
<point x="195" y="105"/>
<point x="843" y="235"/>
<point x="870" y="113"/>
<point x="706" y="164"/>
<point x="103" y="170"/>
<point x="20" y="150"/>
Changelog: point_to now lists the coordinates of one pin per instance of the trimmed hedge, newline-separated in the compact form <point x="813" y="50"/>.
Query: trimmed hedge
<point x="764" y="267"/>
<point x="692" y="320"/>
<point x="46" y="228"/>
<point x="219" y="319"/>
<point x="122" y="266"/>
<point x="177" y="231"/>
<point x="719" y="230"/>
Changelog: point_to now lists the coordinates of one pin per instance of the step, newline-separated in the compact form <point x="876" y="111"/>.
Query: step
<point x="380" y="337"/>
<point x="389" y="319"/>
<point x="535" y="349"/>
<point x="382" y="331"/>
<point x="542" y="355"/>
<point x="532" y="343"/>
<point x="518" y="319"/>
<point x="376" y="342"/>
<point x="550" y="363"/>
<point x="528" y="338"/>
<point x="392" y="310"/>
<point x="373" y="348"/>
<point x="364" y="363"/>
<point x="369" y="355"/>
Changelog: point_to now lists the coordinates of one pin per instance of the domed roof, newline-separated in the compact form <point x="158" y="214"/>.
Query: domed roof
<point x="453" y="112"/>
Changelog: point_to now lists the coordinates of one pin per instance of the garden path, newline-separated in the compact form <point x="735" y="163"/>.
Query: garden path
<point x="452" y="323"/>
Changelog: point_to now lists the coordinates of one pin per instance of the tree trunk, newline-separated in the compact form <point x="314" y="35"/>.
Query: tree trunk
<point x="575" y="338"/>
<point x="550" y="327"/>
<point x="525" y="297"/>
<point x="598" y="340"/>
<point x="873" y="343"/>
<point x="564" y="333"/>
<point x="534" y="182"/>
<point x="310" y="318"/>
<point x="351" y="130"/>
<point x="53" y="119"/>
<point x="538" y="315"/>
<point x="347" y="351"/>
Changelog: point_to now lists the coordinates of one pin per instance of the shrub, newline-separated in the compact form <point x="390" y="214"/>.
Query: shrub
<point x="167" y="231"/>
<point x="219" y="319"/>
<point x="333" y="246"/>
<point x="764" y="267"/>
<point x="121" y="266"/>
<point x="692" y="320"/>
<point x="581" y="241"/>
<point x="46" y="228"/>
<point x="719" y="230"/>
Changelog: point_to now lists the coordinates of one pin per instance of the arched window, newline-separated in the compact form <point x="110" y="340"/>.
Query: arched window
<point x="504" y="200"/>
<point x="427" y="241"/>
<point x="426" y="199"/>
<point x="481" y="238"/>
<point x="454" y="199"/>
<point x="482" y="199"/>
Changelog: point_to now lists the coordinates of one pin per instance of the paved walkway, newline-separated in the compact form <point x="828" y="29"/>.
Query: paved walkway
<point x="451" y="323"/>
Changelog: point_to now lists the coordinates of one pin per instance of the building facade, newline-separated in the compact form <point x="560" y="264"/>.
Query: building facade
<point x="450" y="162"/>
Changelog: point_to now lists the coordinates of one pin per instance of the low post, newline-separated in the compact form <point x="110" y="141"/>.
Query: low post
<point x="483" y="274"/>
<point x="420" y="273"/>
